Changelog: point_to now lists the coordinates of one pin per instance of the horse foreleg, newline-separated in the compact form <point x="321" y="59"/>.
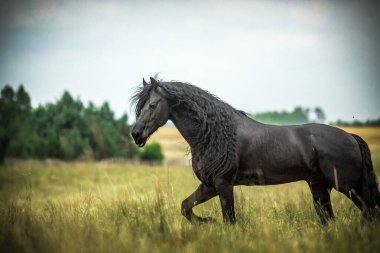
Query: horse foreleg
<point x="225" y="190"/>
<point x="201" y="195"/>
<point x="322" y="203"/>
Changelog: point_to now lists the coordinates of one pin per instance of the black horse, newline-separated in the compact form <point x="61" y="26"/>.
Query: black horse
<point x="228" y="148"/>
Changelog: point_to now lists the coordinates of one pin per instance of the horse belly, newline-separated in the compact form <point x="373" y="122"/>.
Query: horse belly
<point x="260" y="176"/>
<point x="273" y="168"/>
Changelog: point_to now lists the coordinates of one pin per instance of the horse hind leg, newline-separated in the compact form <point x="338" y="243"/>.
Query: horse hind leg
<point x="369" y="210"/>
<point x="321" y="199"/>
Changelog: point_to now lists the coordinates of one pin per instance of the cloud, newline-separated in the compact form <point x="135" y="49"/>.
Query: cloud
<point x="255" y="54"/>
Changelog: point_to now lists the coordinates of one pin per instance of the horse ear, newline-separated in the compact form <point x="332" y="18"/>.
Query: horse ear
<point x="153" y="81"/>
<point x="144" y="83"/>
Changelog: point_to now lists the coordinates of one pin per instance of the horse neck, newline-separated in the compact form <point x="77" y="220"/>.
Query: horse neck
<point x="185" y="121"/>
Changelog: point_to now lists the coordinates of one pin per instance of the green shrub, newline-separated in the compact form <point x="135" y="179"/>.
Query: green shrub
<point x="152" y="153"/>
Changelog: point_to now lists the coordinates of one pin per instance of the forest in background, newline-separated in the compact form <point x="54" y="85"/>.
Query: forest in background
<point x="65" y="129"/>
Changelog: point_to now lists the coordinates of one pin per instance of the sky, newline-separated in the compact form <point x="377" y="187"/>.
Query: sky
<point x="255" y="55"/>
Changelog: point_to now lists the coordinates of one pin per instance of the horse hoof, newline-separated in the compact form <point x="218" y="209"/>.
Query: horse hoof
<point x="207" y="220"/>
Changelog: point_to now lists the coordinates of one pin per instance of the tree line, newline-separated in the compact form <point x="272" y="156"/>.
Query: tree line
<point x="299" y="115"/>
<point x="65" y="129"/>
<point x="358" y="123"/>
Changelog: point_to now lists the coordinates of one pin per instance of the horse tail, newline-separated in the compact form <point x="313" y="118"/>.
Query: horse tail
<point x="370" y="192"/>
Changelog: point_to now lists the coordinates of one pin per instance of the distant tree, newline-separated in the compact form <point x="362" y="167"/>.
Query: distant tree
<point x="152" y="153"/>
<point x="321" y="117"/>
<point x="7" y="111"/>
<point x="299" y="115"/>
<point x="15" y="110"/>
<point x="65" y="129"/>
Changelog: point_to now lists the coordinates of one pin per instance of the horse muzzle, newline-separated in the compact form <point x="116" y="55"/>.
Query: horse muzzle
<point x="139" y="138"/>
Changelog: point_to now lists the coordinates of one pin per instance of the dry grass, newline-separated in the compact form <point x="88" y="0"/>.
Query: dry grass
<point x="50" y="206"/>
<point x="175" y="148"/>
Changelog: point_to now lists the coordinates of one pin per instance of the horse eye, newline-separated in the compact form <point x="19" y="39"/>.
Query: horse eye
<point x="152" y="106"/>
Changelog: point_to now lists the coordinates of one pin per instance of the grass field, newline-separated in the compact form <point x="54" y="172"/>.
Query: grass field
<point x="51" y="206"/>
<point x="175" y="148"/>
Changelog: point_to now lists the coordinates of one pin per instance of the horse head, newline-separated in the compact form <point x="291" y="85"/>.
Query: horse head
<point x="152" y="111"/>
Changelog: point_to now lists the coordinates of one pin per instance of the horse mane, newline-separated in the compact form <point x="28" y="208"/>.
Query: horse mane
<point x="214" y="145"/>
<point x="139" y="98"/>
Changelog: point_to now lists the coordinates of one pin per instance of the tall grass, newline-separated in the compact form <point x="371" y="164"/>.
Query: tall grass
<point x="96" y="207"/>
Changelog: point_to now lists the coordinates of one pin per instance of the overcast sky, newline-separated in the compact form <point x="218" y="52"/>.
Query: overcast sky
<point x="256" y="55"/>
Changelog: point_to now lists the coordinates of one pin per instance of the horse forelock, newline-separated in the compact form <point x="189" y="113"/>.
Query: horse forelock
<point x="139" y="98"/>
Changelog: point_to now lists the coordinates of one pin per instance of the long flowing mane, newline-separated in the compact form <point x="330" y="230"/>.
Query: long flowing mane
<point x="214" y="146"/>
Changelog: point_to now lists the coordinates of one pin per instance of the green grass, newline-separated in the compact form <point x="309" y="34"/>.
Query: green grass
<point x="97" y="207"/>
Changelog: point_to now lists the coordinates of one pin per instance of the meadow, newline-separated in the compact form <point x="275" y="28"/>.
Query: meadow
<point x="53" y="206"/>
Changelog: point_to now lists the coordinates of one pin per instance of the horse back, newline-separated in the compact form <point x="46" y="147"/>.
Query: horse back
<point x="269" y="154"/>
